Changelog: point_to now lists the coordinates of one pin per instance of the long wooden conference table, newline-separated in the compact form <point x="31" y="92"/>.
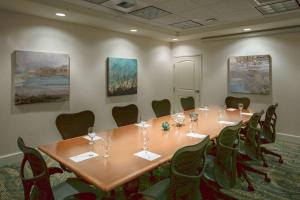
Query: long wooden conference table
<point x="122" y="165"/>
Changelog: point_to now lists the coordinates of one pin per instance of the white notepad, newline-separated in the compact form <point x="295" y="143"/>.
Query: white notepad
<point x="95" y="138"/>
<point x="145" y="125"/>
<point x="147" y="155"/>
<point x="204" y="109"/>
<point x="83" y="156"/>
<point x="196" y="135"/>
<point x="230" y="109"/>
<point x="227" y="122"/>
<point x="249" y="114"/>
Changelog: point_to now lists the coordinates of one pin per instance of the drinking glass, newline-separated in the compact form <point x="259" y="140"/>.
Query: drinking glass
<point x="145" y="140"/>
<point x="220" y="114"/>
<point x="240" y="106"/>
<point x="106" y="145"/>
<point x="142" y="123"/>
<point x="91" y="134"/>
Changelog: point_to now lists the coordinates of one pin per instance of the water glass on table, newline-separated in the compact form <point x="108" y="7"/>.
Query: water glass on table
<point x="91" y="135"/>
<point x="106" y="145"/>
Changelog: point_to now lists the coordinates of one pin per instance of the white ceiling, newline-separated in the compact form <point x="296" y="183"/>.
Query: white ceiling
<point x="232" y="16"/>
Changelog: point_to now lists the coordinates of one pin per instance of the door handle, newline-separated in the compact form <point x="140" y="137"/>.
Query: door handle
<point x="197" y="91"/>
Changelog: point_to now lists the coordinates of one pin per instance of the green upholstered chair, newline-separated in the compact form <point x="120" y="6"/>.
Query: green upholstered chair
<point x="187" y="103"/>
<point x="268" y="134"/>
<point x="125" y="115"/>
<point x="233" y="102"/>
<point x="75" y="124"/>
<point x="186" y="169"/>
<point x="221" y="166"/>
<point x="38" y="185"/>
<point x="161" y="108"/>
<point x="250" y="150"/>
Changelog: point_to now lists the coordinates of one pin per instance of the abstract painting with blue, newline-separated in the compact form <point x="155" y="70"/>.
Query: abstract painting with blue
<point x="41" y="77"/>
<point x="250" y="74"/>
<point x="121" y="76"/>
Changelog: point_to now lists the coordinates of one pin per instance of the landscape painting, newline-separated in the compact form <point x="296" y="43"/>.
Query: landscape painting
<point x="250" y="74"/>
<point x="121" y="76"/>
<point x="41" y="77"/>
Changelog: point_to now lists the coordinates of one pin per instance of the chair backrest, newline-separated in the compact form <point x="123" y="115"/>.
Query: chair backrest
<point x="161" y="108"/>
<point x="125" y="115"/>
<point x="187" y="167"/>
<point x="75" y="124"/>
<point x="187" y="103"/>
<point x="40" y="182"/>
<point x="233" y="102"/>
<point x="269" y="124"/>
<point x="227" y="151"/>
<point x="252" y="141"/>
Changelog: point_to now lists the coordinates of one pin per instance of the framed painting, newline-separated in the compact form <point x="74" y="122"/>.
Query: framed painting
<point x="121" y="76"/>
<point x="41" y="77"/>
<point x="250" y="74"/>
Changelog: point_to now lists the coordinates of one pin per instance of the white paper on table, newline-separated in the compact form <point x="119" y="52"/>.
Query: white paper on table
<point x="227" y="122"/>
<point x="95" y="138"/>
<point x="143" y="125"/>
<point x="230" y="109"/>
<point x="147" y="155"/>
<point x="249" y="114"/>
<point x="83" y="156"/>
<point x="196" y="135"/>
<point x="204" y="109"/>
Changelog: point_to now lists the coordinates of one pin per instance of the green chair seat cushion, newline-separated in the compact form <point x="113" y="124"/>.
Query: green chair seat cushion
<point x="265" y="138"/>
<point x="72" y="186"/>
<point x="158" y="191"/>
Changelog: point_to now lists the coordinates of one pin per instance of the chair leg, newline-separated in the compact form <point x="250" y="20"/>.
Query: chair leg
<point x="265" y="164"/>
<point x="243" y="173"/>
<point x="266" y="151"/>
<point x="251" y="169"/>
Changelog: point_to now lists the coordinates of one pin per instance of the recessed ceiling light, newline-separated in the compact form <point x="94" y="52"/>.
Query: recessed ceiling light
<point x="133" y="30"/>
<point x="61" y="14"/>
<point x="175" y="39"/>
<point x="247" y="29"/>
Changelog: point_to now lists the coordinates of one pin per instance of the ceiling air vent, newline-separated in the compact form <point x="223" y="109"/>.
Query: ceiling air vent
<point x="127" y="4"/>
<point x="278" y="7"/>
<point x="186" y="24"/>
<point x="150" y="12"/>
<point x="97" y="2"/>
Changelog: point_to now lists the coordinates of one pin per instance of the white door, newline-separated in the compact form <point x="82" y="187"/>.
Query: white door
<point x="187" y="79"/>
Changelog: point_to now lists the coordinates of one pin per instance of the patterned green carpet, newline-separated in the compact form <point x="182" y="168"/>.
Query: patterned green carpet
<point x="285" y="183"/>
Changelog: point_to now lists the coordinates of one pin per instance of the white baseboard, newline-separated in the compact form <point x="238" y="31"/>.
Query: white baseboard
<point x="289" y="135"/>
<point x="11" y="158"/>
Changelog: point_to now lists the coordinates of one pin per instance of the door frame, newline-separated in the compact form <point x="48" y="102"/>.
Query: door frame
<point x="200" y="80"/>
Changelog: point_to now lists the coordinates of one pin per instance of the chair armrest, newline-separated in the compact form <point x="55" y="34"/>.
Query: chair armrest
<point x="81" y="196"/>
<point x="54" y="170"/>
<point x="186" y="176"/>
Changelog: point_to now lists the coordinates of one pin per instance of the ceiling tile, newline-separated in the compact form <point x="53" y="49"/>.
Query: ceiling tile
<point x="150" y="12"/>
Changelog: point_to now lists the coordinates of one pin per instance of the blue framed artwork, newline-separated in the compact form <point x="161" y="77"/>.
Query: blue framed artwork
<point x="250" y="74"/>
<point x="41" y="77"/>
<point x="121" y="76"/>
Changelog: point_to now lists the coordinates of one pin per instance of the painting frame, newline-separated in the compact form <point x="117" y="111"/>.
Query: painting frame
<point x="121" y="76"/>
<point x="40" y="77"/>
<point x="250" y="74"/>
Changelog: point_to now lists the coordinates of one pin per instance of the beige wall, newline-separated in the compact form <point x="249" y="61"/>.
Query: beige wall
<point x="88" y="49"/>
<point x="285" y="52"/>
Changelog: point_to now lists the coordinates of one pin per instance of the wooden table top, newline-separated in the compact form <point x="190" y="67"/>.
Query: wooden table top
<point x="122" y="166"/>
